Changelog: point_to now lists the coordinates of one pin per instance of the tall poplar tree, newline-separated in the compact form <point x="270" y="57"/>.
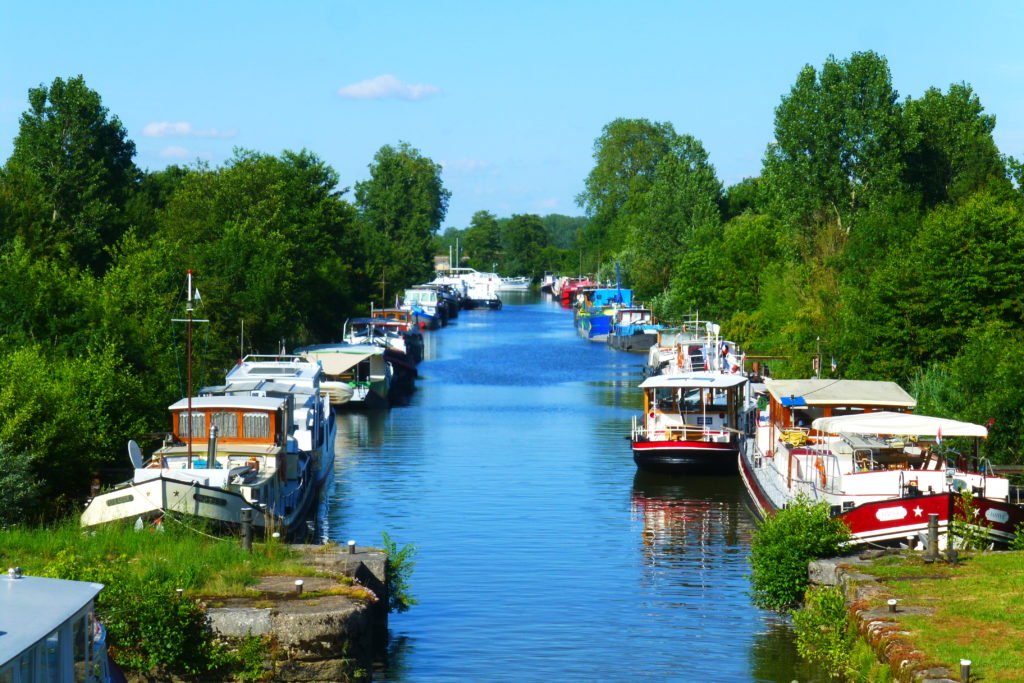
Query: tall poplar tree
<point x="69" y="176"/>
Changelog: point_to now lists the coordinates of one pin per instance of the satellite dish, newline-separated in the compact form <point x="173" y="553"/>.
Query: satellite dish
<point x="135" y="454"/>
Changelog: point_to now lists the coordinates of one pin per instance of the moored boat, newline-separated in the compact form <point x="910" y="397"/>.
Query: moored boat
<point x="264" y="440"/>
<point x="881" y="469"/>
<point x="596" y="309"/>
<point x="633" y="328"/>
<point x="693" y="423"/>
<point x="355" y="375"/>
<point x="427" y="308"/>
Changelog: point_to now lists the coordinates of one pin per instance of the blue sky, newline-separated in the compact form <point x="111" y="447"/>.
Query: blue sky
<point x="508" y="97"/>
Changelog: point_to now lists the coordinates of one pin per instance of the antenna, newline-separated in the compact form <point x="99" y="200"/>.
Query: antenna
<point x="189" y="308"/>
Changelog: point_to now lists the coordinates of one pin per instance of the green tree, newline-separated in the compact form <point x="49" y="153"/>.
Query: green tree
<point x="483" y="240"/>
<point x="679" y="206"/>
<point x="626" y="156"/>
<point x="70" y="175"/>
<point x="400" y="207"/>
<point x="839" y="141"/>
<point x="524" y="239"/>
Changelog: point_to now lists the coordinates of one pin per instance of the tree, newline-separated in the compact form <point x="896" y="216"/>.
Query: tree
<point x="680" y="203"/>
<point x="955" y="154"/>
<point x="400" y="207"/>
<point x="69" y="176"/>
<point x="626" y="156"/>
<point x="483" y="240"/>
<point x="838" y="145"/>
<point x="524" y="239"/>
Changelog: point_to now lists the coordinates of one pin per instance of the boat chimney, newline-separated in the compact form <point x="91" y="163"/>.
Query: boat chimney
<point x="211" y="451"/>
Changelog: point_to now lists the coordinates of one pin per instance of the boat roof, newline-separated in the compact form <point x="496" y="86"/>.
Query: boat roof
<point x="274" y="367"/>
<point x="886" y="422"/>
<point x="838" y="392"/>
<point x="235" y="402"/>
<point x="694" y="380"/>
<point x="33" y="606"/>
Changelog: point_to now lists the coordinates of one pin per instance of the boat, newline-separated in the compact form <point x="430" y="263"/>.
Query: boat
<point x="633" y="328"/>
<point x="547" y="282"/>
<point x="426" y="306"/>
<point x="567" y="290"/>
<point x="695" y="346"/>
<point x="48" y="630"/>
<point x="693" y="423"/>
<point x="881" y="469"/>
<point x="596" y="309"/>
<point x="513" y="284"/>
<point x="264" y="440"/>
<point x="401" y="321"/>
<point x="481" y="289"/>
<point x="355" y="375"/>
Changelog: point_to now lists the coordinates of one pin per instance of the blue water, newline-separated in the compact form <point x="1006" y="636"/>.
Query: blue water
<point x="542" y="554"/>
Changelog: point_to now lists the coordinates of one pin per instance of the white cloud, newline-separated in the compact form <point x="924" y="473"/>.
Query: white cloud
<point x="465" y="165"/>
<point x="387" y="86"/>
<point x="548" y="203"/>
<point x="183" y="129"/>
<point x="175" y="152"/>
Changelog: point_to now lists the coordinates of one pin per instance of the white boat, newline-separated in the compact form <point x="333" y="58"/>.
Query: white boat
<point x="355" y="375"/>
<point x="481" y="289"/>
<point x="855" y="446"/>
<point x="427" y="307"/>
<point x="513" y="284"/>
<point x="48" y="630"/>
<point x="264" y="440"/>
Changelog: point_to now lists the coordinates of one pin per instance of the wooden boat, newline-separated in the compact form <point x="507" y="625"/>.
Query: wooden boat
<point x="264" y="440"/>
<point x="882" y="470"/>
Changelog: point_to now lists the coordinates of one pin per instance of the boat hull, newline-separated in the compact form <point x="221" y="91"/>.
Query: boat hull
<point x="638" y="341"/>
<point x="891" y="521"/>
<point x="685" y="457"/>
<point x="492" y="304"/>
<point x="154" y="498"/>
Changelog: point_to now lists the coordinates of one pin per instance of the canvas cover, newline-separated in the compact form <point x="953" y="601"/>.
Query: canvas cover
<point x="885" y="422"/>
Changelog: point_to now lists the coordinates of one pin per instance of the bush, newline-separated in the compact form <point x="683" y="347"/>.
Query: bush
<point x="823" y="632"/>
<point x="784" y="544"/>
<point x="399" y="568"/>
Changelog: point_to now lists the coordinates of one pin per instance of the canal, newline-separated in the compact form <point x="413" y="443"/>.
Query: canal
<point x="541" y="553"/>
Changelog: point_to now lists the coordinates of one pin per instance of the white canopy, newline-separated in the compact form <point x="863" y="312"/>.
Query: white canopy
<point x="884" y="422"/>
<point x="696" y="380"/>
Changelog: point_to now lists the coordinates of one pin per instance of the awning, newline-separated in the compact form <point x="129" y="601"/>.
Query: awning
<point x="336" y="362"/>
<point x="884" y="422"/>
<point x="701" y="380"/>
<point x="839" y="392"/>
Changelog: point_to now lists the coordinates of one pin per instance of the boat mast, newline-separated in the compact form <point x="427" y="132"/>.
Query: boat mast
<point x="188" y="346"/>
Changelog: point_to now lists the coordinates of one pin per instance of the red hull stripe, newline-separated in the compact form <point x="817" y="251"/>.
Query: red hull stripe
<point x="682" y="445"/>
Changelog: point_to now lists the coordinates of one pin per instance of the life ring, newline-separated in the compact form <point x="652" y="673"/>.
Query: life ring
<point x="820" y="466"/>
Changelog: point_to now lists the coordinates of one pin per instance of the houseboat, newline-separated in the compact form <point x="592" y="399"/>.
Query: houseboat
<point x="855" y="446"/>
<point x="633" y="328"/>
<point x="264" y="440"/>
<point x="355" y="375"/>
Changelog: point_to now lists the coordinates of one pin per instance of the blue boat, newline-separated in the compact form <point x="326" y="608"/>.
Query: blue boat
<point x="594" y="316"/>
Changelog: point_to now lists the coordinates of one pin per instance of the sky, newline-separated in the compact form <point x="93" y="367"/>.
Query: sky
<point x="508" y="97"/>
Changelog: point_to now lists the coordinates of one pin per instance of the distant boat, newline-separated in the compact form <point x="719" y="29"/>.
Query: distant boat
<point x="481" y="288"/>
<point x="597" y="307"/>
<point x="358" y="374"/>
<point x="547" y="282"/>
<point x="513" y="284"/>
<point x="633" y="328"/>
<point x="882" y="470"/>
<point x="426" y="306"/>
<point x="263" y="440"/>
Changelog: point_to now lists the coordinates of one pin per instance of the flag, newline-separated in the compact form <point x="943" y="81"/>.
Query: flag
<point x="833" y="363"/>
<point x="938" y="436"/>
<point x="198" y="298"/>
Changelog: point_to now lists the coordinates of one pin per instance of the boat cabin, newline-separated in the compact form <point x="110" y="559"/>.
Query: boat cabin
<point x="695" y="407"/>
<point x="48" y="631"/>
<point x="399" y="315"/>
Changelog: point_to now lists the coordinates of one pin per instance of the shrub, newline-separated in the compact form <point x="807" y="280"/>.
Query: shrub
<point x="823" y="632"/>
<point x="784" y="544"/>
<point x="399" y="569"/>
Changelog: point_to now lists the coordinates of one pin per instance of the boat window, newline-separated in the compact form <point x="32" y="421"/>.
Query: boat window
<point x="79" y="647"/>
<point x="198" y="424"/>
<point x="256" y="425"/>
<point x="226" y="423"/>
<point x="50" y="659"/>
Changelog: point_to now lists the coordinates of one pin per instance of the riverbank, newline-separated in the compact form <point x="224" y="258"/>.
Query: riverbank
<point x="182" y="604"/>
<point x="943" y="613"/>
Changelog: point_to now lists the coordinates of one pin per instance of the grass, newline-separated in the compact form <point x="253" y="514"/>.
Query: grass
<point x="979" y="610"/>
<point x="178" y="554"/>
